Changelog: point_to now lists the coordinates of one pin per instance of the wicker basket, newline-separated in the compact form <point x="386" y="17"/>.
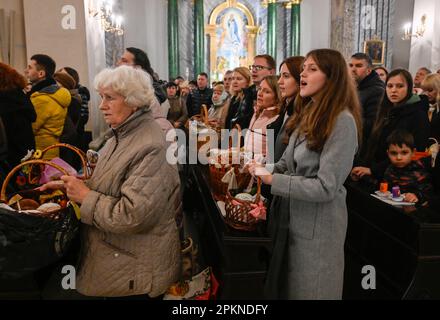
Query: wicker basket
<point x="219" y="188"/>
<point x="221" y="164"/>
<point x="88" y="170"/>
<point x="238" y="211"/>
<point x="33" y="194"/>
<point x="36" y="166"/>
<point x="204" y="124"/>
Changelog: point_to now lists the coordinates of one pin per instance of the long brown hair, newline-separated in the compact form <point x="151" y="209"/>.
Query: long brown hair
<point x="272" y="81"/>
<point x="294" y="65"/>
<point x="316" y="122"/>
<point x="382" y="116"/>
<point x="10" y="79"/>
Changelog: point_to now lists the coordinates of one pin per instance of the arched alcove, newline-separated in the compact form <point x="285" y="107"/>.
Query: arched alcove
<point x="232" y="33"/>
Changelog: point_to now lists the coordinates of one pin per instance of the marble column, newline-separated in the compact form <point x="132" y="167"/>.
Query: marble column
<point x="199" y="38"/>
<point x="173" y="39"/>
<point x="271" y="28"/>
<point x="296" y="28"/>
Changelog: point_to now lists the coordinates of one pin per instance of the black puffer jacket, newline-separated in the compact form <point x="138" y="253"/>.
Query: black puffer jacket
<point x="246" y="109"/>
<point x="435" y="125"/>
<point x="371" y="91"/>
<point x="196" y="99"/>
<point x="17" y="114"/>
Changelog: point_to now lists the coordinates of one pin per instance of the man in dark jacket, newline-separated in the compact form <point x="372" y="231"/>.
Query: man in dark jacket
<point x="370" y="87"/>
<point x="198" y="97"/>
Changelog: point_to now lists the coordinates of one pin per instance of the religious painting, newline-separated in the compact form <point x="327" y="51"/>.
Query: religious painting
<point x="376" y="50"/>
<point x="232" y="32"/>
<point x="232" y="40"/>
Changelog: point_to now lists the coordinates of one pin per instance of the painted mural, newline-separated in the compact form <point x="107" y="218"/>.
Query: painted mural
<point x="232" y="40"/>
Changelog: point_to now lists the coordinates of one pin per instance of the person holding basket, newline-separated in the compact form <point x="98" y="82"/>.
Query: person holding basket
<point x="308" y="215"/>
<point x="130" y="241"/>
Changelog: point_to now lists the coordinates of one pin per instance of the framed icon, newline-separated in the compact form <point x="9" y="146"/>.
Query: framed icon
<point x="376" y="50"/>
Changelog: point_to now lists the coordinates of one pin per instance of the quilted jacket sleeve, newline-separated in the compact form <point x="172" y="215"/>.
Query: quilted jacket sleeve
<point x="146" y="195"/>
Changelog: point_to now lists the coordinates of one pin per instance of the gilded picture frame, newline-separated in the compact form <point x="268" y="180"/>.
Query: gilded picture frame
<point x="376" y="50"/>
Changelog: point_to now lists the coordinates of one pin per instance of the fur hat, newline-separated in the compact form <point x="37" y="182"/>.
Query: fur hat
<point x="65" y="80"/>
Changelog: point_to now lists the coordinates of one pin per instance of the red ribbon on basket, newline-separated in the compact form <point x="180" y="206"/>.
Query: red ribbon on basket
<point x="258" y="211"/>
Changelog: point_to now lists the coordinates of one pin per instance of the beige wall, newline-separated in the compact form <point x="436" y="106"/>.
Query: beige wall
<point x="82" y="48"/>
<point x="425" y="51"/>
<point x="12" y="34"/>
<point x="44" y="34"/>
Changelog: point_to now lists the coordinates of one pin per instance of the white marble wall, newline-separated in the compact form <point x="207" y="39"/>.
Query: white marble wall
<point x="315" y="25"/>
<point x="12" y="34"/>
<point x="425" y="51"/>
<point x="145" y="24"/>
<point x="95" y="38"/>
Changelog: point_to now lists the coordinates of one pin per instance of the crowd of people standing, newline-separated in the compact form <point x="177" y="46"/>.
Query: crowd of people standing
<point x="328" y="120"/>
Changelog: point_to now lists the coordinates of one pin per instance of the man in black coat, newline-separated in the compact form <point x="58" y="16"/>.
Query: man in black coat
<point x="198" y="97"/>
<point x="371" y="90"/>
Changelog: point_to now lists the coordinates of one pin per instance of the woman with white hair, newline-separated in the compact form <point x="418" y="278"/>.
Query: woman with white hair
<point x="130" y="242"/>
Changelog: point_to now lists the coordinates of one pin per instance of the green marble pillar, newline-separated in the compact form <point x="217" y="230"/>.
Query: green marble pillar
<point x="199" y="38"/>
<point x="296" y="28"/>
<point x="173" y="39"/>
<point x="272" y="28"/>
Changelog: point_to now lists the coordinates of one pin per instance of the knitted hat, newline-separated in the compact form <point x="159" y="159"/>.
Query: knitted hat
<point x="65" y="80"/>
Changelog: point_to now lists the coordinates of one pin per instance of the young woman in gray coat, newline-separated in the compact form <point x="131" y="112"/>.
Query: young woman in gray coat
<point x="308" y="216"/>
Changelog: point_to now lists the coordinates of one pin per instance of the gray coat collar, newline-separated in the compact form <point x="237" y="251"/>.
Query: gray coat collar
<point x="132" y="123"/>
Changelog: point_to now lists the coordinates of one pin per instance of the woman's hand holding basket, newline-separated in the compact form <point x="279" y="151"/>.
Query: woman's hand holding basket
<point x="75" y="188"/>
<point x="259" y="170"/>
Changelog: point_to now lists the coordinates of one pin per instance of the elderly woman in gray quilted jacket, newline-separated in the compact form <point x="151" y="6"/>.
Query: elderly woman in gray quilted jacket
<point x="130" y="240"/>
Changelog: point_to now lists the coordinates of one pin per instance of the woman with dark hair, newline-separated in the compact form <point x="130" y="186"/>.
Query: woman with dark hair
<point x="17" y="114"/>
<point x="308" y="215"/>
<point x="400" y="109"/>
<point x="290" y="70"/>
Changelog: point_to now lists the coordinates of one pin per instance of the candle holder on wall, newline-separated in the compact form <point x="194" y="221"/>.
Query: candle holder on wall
<point x="419" y="30"/>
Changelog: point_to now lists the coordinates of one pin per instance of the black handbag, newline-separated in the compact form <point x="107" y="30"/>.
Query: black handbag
<point x="29" y="242"/>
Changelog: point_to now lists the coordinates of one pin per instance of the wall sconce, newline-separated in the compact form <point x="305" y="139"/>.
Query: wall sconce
<point x="419" y="32"/>
<point x="104" y="13"/>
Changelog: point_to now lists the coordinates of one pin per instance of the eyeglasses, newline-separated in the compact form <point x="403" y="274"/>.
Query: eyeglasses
<point x="258" y="68"/>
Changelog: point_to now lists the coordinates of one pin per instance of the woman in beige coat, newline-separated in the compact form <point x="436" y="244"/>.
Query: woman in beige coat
<point x="130" y="243"/>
